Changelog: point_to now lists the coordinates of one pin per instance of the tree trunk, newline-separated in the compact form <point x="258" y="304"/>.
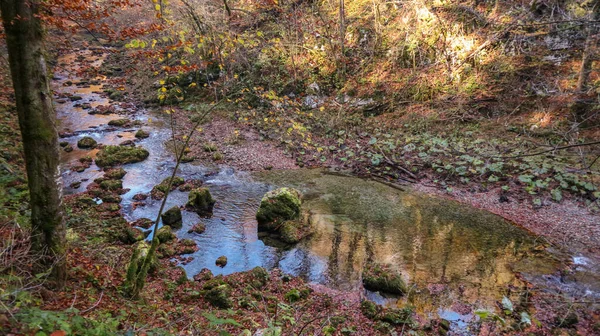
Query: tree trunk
<point x="37" y="121"/>
<point x="588" y="52"/>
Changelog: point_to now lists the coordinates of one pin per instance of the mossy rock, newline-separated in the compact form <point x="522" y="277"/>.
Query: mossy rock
<point x="172" y="218"/>
<point x="75" y="98"/>
<point x="140" y="251"/>
<point x="141" y="134"/>
<point x="165" y="234"/>
<point x="115" y="174"/>
<point x="114" y="155"/>
<point x="204" y="275"/>
<point x="119" y="122"/>
<point x="145" y="223"/>
<point x="200" y="200"/>
<point x="86" y="142"/>
<point x="293" y="231"/>
<point x="397" y="316"/>
<point x="131" y="235"/>
<point x="219" y="297"/>
<point x="111" y="185"/>
<point x="221" y="261"/>
<point x="160" y="189"/>
<point x="166" y="250"/>
<point x="116" y="95"/>
<point x="260" y="275"/>
<point x="380" y="278"/>
<point x="198" y="228"/>
<point x="278" y="206"/>
<point x="369" y="309"/>
<point x="68" y="148"/>
<point x="110" y="198"/>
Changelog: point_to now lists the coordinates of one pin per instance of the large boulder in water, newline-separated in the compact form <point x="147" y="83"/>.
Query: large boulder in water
<point x="172" y="218"/>
<point x="200" y="200"/>
<point x="382" y="278"/>
<point x="114" y="155"/>
<point x="278" y="206"/>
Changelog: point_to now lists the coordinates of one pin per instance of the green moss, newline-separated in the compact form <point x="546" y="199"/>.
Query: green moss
<point x="115" y="174"/>
<point x="200" y="200"/>
<point x="114" y="155"/>
<point x="141" y="134"/>
<point x="292" y="232"/>
<point x="292" y="296"/>
<point x="369" y="309"/>
<point x="260" y="275"/>
<point x="172" y="218"/>
<point x="165" y="234"/>
<point x="111" y="185"/>
<point x="116" y="95"/>
<point x="397" y="316"/>
<point x="119" y="122"/>
<point x="164" y="185"/>
<point x="221" y="261"/>
<point x="278" y="206"/>
<point x="220" y="297"/>
<point x="198" y="228"/>
<point x="380" y="278"/>
<point x="86" y="142"/>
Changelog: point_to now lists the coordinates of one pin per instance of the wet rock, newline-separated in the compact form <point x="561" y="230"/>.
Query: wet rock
<point x="60" y="101"/>
<point x="197" y="228"/>
<point x="200" y="201"/>
<point x="381" y="278"/>
<point x="172" y="217"/>
<point x="219" y="296"/>
<point x="221" y="261"/>
<point x="86" y="106"/>
<point x="115" y="173"/>
<point x="165" y="234"/>
<point x="278" y="206"/>
<point x="86" y="142"/>
<point x="75" y="185"/>
<point x="293" y="231"/>
<point x="75" y="98"/>
<point x="127" y="143"/>
<point x="110" y="198"/>
<point x="159" y="190"/>
<point x="116" y="95"/>
<point x="189" y="185"/>
<point x="141" y="134"/>
<point x="140" y="197"/>
<point x="111" y="185"/>
<point x="115" y="155"/>
<point x="187" y="159"/>
<point x="145" y="223"/>
<point x="68" y="148"/>
<point x="63" y="144"/>
<point x="187" y="246"/>
<point x="79" y="168"/>
<point x="119" y="122"/>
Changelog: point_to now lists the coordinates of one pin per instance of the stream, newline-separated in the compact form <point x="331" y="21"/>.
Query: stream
<point x="457" y="259"/>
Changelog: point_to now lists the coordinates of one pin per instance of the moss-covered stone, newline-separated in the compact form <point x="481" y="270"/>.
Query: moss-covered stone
<point x="278" y="206"/>
<point x="172" y="218"/>
<point x="369" y="309"/>
<point x="380" y="278"/>
<point x="141" y="134"/>
<point x="110" y="198"/>
<point x="166" y="250"/>
<point x="397" y="316"/>
<point x="111" y="185"/>
<point x="145" y="223"/>
<point x="131" y="235"/>
<point x="159" y="190"/>
<point x="221" y="261"/>
<point x="115" y="174"/>
<point x="68" y="148"/>
<point x="119" y="122"/>
<point x="200" y="200"/>
<point x="204" y="275"/>
<point x="114" y="155"/>
<point x="63" y="144"/>
<point x="165" y="234"/>
<point x="198" y="228"/>
<point x="86" y="142"/>
<point x="116" y="95"/>
<point x="220" y="297"/>
<point x="260" y="275"/>
<point x="293" y="231"/>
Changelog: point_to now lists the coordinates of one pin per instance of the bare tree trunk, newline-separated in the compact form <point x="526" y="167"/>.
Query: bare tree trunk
<point x="588" y="53"/>
<point x="37" y="121"/>
<point x="343" y="40"/>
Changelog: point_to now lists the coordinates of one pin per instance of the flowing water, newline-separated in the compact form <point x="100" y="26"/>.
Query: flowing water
<point x="451" y="255"/>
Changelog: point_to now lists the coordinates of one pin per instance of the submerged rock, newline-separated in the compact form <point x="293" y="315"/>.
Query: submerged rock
<point x="114" y="155"/>
<point x="172" y="218"/>
<point x="86" y="142"/>
<point x="380" y="278"/>
<point x="197" y="228"/>
<point x="278" y="206"/>
<point x="118" y="122"/>
<point x="200" y="200"/>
